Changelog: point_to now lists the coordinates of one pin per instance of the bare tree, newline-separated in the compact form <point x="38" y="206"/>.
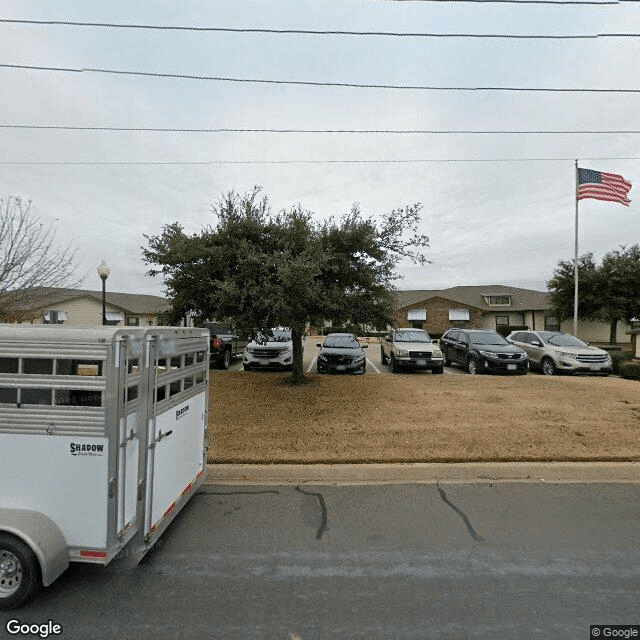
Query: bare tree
<point x="32" y="262"/>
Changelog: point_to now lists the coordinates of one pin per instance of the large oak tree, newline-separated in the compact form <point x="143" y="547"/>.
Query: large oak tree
<point x="257" y="269"/>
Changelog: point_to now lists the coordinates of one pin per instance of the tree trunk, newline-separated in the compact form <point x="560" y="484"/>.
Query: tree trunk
<point x="297" y="371"/>
<point x="613" y="326"/>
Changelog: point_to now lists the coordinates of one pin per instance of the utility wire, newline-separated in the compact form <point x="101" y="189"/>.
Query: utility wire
<point x="352" y="85"/>
<point x="50" y="127"/>
<point x="318" y="32"/>
<point x="86" y="163"/>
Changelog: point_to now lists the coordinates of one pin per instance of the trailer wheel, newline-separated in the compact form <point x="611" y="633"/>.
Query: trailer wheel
<point x="19" y="572"/>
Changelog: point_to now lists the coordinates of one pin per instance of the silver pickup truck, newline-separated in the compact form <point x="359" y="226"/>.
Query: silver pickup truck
<point x="411" y="349"/>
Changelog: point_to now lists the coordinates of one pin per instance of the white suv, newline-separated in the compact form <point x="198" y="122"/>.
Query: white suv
<point x="556" y="352"/>
<point x="273" y="350"/>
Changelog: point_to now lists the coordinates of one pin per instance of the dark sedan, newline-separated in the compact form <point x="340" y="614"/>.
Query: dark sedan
<point x="341" y="353"/>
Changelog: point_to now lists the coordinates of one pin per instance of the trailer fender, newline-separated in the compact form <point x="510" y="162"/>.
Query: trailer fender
<point x="42" y="535"/>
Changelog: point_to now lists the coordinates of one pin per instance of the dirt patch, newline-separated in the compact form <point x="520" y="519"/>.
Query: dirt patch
<point x="254" y="418"/>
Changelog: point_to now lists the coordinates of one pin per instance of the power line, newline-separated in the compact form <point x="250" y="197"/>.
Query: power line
<point x="50" y="127"/>
<point x="317" y="32"/>
<point x="85" y="163"/>
<point x="351" y="85"/>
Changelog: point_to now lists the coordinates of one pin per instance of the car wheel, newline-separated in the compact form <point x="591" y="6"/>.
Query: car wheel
<point x="472" y="366"/>
<point x="445" y="359"/>
<point x="225" y="360"/>
<point x="394" y="364"/>
<point x="437" y="370"/>
<point x="19" y="572"/>
<point x="548" y="367"/>
<point x="247" y="368"/>
<point x="383" y="357"/>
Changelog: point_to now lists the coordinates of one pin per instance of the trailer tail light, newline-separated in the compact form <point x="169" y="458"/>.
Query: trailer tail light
<point x="216" y="343"/>
<point x="93" y="554"/>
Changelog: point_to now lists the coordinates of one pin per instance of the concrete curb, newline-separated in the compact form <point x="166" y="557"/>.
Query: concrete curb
<point x="450" y="473"/>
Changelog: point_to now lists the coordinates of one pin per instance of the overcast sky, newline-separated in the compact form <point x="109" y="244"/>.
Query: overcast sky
<point x="490" y="221"/>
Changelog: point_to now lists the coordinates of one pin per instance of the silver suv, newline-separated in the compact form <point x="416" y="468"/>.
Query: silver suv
<point x="411" y="349"/>
<point x="272" y="350"/>
<point x="557" y="352"/>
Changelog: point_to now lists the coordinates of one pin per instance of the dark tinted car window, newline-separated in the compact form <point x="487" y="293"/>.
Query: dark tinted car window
<point x="519" y="337"/>
<point x="451" y="335"/>
<point x="341" y="342"/>
<point x="488" y="337"/>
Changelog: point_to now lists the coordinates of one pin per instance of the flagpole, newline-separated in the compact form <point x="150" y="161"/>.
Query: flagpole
<point x="575" y="266"/>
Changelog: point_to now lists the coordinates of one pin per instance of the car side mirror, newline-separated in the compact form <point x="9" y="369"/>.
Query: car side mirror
<point x="318" y="345"/>
<point x="387" y="339"/>
<point x="536" y="343"/>
<point x="364" y="346"/>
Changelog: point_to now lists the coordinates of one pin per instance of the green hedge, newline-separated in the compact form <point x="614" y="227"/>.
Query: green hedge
<point x="617" y="357"/>
<point x="630" y="370"/>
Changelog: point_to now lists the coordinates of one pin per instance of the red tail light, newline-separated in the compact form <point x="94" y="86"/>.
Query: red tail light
<point x="215" y="343"/>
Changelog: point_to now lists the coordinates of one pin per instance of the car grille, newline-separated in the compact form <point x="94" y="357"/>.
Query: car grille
<point x="509" y="356"/>
<point x="588" y="358"/>
<point x="267" y="353"/>
<point x="420" y="354"/>
<point x="337" y="359"/>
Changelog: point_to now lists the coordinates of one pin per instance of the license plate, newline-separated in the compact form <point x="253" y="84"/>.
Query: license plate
<point x="421" y="362"/>
<point x="512" y="367"/>
<point x="340" y="367"/>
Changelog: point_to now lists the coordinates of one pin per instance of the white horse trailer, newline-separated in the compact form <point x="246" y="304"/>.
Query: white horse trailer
<point x="102" y="442"/>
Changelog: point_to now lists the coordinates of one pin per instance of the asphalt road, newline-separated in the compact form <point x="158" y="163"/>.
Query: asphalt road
<point x="502" y="561"/>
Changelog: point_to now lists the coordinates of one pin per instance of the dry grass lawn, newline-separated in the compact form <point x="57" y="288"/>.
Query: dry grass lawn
<point x="255" y="418"/>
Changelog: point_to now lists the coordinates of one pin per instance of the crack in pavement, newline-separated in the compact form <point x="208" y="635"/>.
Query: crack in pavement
<point x="472" y="532"/>
<point x="323" y="526"/>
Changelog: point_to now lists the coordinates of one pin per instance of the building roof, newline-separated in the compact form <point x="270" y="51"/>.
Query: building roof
<point x="474" y="296"/>
<point x="133" y="303"/>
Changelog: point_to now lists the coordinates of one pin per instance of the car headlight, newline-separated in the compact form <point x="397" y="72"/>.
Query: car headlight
<point x="248" y="352"/>
<point x="358" y="359"/>
<point x="402" y="352"/>
<point x="322" y="357"/>
<point x="488" y="354"/>
<point x="523" y="355"/>
<point x="566" y="354"/>
<point x="436" y="353"/>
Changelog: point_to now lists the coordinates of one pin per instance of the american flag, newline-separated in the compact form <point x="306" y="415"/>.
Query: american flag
<point x="603" y="186"/>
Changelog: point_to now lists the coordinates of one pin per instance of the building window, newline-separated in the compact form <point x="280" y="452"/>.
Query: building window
<point x="551" y="323"/>
<point x="416" y="315"/>
<point x="133" y="321"/>
<point x="502" y="321"/>
<point x="459" y="318"/>
<point x="54" y="317"/>
<point x="113" y="317"/>
<point x="493" y="301"/>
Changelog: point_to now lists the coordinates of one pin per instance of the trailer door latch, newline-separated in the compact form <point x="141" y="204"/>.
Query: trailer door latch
<point x="163" y="435"/>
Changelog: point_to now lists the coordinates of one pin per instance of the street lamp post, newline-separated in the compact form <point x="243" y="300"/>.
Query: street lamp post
<point x="103" y="272"/>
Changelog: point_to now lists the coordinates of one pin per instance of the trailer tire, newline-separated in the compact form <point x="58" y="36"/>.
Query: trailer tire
<point x="19" y="572"/>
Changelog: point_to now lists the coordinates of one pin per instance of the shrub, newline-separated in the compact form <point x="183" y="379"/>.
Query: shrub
<point x="630" y="370"/>
<point x="617" y="357"/>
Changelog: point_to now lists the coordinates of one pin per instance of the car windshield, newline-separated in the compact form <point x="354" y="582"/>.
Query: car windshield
<point x="341" y="342"/>
<point x="563" y="340"/>
<point x="487" y="337"/>
<point x="275" y="335"/>
<point x="412" y="336"/>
